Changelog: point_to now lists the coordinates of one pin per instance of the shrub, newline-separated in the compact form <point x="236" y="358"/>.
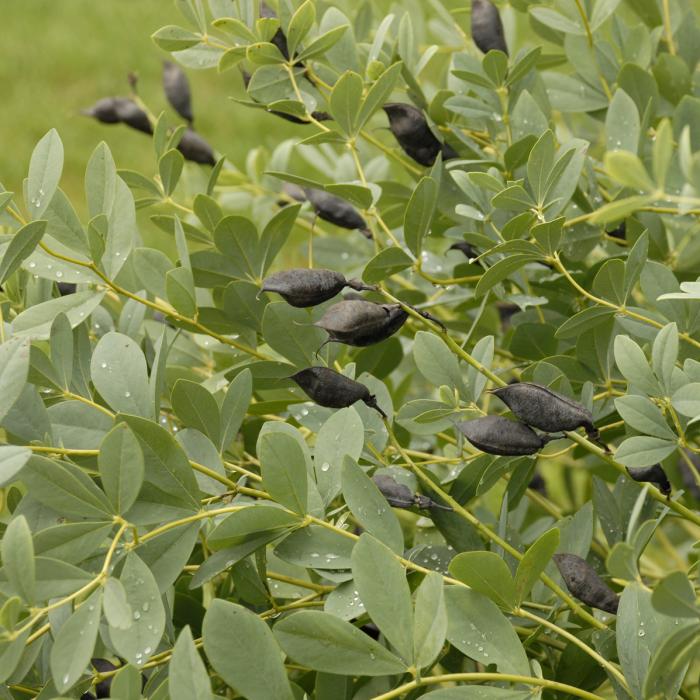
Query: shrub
<point x="176" y="477"/>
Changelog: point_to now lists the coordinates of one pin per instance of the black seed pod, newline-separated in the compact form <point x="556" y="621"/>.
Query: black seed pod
<point x="620" y="232"/>
<point x="336" y="210"/>
<point x="116" y="110"/>
<point x="487" y="28"/>
<point x="177" y="90"/>
<point x="103" y="688"/>
<point x="467" y="248"/>
<point x="279" y="39"/>
<point x="545" y="409"/>
<point x="360" y="323"/>
<point x="537" y="484"/>
<point x="411" y="130"/>
<point x="500" y="436"/>
<point x="195" y="148"/>
<point x="104" y="110"/>
<point x="302" y="287"/>
<point x="400" y="496"/>
<point x="654" y="474"/>
<point x="334" y="390"/>
<point x="318" y="116"/>
<point x="132" y="115"/>
<point x="584" y="583"/>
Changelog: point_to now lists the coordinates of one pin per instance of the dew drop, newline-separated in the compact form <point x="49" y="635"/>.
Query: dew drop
<point x="325" y="467"/>
<point x="104" y="365"/>
<point x="32" y="265"/>
<point x="137" y="615"/>
<point x="127" y="394"/>
<point x="59" y="274"/>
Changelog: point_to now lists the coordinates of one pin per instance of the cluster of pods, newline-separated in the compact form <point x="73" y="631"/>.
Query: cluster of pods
<point x="359" y="322"/>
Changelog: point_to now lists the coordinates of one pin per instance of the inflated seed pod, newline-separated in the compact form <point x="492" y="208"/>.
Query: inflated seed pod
<point x="506" y="311"/>
<point x="195" y="148"/>
<point x="103" y="688"/>
<point x="619" y="232"/>
<point x="654" y="474"/>
<point x="177" y="90"/>
<point x="487" y="28"/>
<point x="501" y="436"/>
<point x="411" y="130"/>
<point x="336" y="211"/>
<point x="467" y="248"/>
<point x="119" y="110"/>
<point x="583" y="583"/>
<point x="360" y="323"/>
<point x="132" y="115"/>
<point x="104" y="110"/>
<point x="545" y="409"/>
<point x="537" y="484"/>
<point x="302" y="287"/>
<point x="400" y="496"/>
<point x="329" y="388"/>
<point x="279" y="39"/>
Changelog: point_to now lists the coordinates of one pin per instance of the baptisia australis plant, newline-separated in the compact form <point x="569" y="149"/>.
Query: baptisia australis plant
<point x="273" y="459"/>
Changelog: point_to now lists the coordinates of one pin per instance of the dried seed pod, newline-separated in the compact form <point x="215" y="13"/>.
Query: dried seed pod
<point x="487" y="28"/>
<point x="104" y="110"/>
<point x="279" y="39"/>
<point x="620" y="232"/>
<point x="537" y="484"/>
<point x="545" y="409"/>
<point x="177" y="90"/>
<point x="336" y="211"/>
<point x="334" y="390"/>
<point x="400" y="496"/>
<point x="501" y="436"/>
<point x="302" y="287"/>
<point x="103" y="688"/>
<point x="318" y="116"/>
<point x="195" y="148"/>
<point x="654" y="474"/>
<point x="583" y="582"/>
<point x="132" y="115"/>
<point x="360" y="323"/>
<point x="506" y="311"/>
<point x="119" y="110"/>
<point x="467" y="248"/>
<point x="294" y="191"/>
<point x="415" y="137"/>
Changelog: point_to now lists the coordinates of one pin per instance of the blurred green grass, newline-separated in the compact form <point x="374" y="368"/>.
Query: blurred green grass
<point x="59" y="56"/>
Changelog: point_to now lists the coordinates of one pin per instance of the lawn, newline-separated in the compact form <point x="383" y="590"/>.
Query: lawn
<point x="59" y="57"/>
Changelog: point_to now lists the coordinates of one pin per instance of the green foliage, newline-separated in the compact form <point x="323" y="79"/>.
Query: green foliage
<point x="173" y="503"/>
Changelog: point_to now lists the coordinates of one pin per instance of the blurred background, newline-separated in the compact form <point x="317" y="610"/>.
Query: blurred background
<point x="60" y="57"/>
